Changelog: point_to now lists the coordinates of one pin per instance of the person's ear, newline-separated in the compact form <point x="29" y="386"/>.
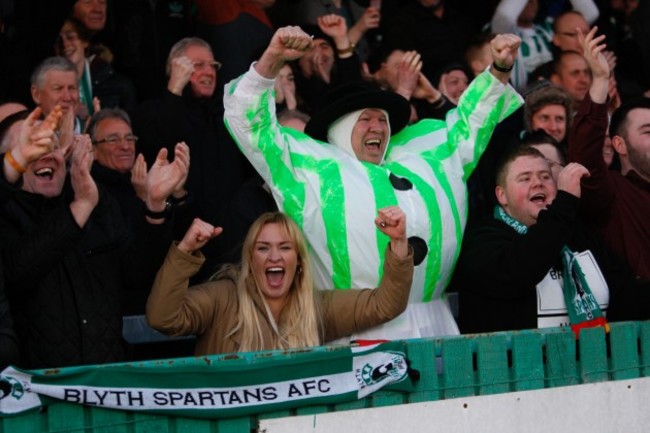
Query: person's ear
<point x="619" y="145"/>
<point x="501" y="195"/>
<point x="555" y="79"/>
<point x="555" y="40"/>
<point x="475" y="65"/>
<point x="36" y="94"/>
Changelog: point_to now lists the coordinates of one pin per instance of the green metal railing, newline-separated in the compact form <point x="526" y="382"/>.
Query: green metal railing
<point x="452" y="367"/>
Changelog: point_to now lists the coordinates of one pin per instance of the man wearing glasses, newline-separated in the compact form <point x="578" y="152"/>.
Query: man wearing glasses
<point x="69" y="256"/>
<point x="124" y="176"/>
<point x="191" y="111"/>
<point x="114" y="142"/>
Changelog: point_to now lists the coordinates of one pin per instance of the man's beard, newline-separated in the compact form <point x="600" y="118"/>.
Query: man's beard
<point x="639" y="161"/>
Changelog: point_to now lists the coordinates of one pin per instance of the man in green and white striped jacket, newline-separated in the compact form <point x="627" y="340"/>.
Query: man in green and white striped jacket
<point x="333" y="181"/>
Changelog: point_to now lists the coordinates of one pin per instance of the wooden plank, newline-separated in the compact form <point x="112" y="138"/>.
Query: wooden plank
<point x="644" y="346"/>
<point x="353" y="405"/>
<point x="276" y="414"/>
<point x="527" y="361"/>
<point x="145" y="423"/>
<point x="30" y="422"/>
<point x="387" y="398"/>
<point x="492" y="364"/>
<point x="457" y="367"/>
<point x="449" y="368"/>
<point x="190" y="425"/>
<point x="593" y="355"/>
<point x="107" y="421"/>
<point x="561" y="363"/>
<point x="422" y="355"/>
<point x="313" y="409"/>
<point x="65" y="417"/>
<point x="624" y="356"/>
<point x="235" y="425"/>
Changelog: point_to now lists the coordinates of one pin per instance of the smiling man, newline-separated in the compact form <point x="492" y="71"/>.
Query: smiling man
<point x="525" y="266"/>
<point x="114" y="141"/>
<point x="114" y="151"/>
<point x="69" y="257"/>
<point x="358" y="155"/>
<point x="55" y="82"/>
<point x="92" y="13"/>
<point x="191" y="111"/>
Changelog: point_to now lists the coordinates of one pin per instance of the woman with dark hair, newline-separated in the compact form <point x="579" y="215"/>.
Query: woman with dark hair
<point x="269" y="301"/>
<point x="97" y="78"/>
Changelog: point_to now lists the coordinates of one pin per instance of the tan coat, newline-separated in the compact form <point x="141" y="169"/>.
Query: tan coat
<point x="210" y="310"/>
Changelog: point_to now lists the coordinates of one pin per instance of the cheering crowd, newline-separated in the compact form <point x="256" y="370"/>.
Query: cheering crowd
<point x="266" y="174"/>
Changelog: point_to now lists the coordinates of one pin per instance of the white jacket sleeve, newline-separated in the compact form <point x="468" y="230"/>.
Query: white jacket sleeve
<point x="505" y="15"/>
<point x="587" y="9"/>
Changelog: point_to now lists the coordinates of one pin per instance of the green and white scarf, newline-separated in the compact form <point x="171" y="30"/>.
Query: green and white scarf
<point x="216" y="386"/>
<point x="581" y="305"/>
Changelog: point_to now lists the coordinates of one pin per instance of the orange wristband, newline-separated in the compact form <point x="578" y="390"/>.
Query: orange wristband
<point x="15" y="164"/>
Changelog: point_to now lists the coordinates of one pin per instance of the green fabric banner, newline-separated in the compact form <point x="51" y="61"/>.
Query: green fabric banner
<point x="214" y="386"/>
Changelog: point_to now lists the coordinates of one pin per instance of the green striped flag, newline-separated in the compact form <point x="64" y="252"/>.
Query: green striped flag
<point x="215" y="386"/>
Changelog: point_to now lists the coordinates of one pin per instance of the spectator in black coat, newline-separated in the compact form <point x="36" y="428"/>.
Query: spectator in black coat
<point x="124" y="176"/>
<point x="68" y="256"/>
<point x="8" y="340"/>
<point x="191" y="110"/>
<point x="516" y="266"/>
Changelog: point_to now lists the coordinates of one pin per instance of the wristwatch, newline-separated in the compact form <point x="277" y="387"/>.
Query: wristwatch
<point x="160" y="214"/>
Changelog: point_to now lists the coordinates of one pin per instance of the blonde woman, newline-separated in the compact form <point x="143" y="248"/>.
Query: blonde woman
<point x="269" y="301"/>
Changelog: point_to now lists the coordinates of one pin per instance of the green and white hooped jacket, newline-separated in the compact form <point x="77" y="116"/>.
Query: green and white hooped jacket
<point x="334" y="197"/>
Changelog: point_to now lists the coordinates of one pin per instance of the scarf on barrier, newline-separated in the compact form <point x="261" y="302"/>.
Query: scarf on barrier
<point x="217" y="386"/>
<point x="581" y="305"/>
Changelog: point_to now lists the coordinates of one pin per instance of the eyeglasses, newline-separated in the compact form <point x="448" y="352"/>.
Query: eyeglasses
<point x="115" y="139"/>
<point x="199" y="66"/>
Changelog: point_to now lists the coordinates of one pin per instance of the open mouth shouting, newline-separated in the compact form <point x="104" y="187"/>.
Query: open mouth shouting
<point x="539" y="198"/>
<point x="275" y="277"/>
<point x="45" y="173"/>
<point x="373" y="145"/>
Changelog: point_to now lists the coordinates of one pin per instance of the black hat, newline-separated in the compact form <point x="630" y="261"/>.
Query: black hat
<point x="356" y="96"/>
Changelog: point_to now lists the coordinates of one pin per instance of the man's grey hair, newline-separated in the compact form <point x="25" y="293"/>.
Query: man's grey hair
<point x="51" y="64"/>
<point x="181" y="46"/>
<point x="103" y="114"/>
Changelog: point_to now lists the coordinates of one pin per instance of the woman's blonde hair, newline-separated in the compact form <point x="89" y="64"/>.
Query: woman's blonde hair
<point x="299" y="323"/>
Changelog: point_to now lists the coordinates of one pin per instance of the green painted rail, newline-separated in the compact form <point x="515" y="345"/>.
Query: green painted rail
<point x="469" y="365"/>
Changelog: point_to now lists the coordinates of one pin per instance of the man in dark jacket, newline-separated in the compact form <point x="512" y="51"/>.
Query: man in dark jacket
<point x="8" y="341"/>
<point x="116" y="166"/>
<point x="518" y="268"/>
<point x="192" y="111"/>
<point x="617" y="202"/>
<point x="68" y="256"/>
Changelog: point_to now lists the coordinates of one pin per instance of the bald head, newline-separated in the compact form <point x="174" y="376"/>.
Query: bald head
<point x="565" y="33"/>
